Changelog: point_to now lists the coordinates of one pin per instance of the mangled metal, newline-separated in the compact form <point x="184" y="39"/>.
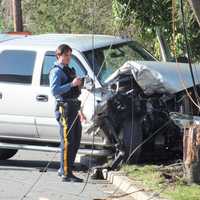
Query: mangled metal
<point x="156" y="77"/>
<point x="148" y="79"/>
<point x="141" y="96"/>
<point x="183" y="120"/>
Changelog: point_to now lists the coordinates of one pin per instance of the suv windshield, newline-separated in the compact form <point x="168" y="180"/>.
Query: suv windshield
<point x="112" y="58"/>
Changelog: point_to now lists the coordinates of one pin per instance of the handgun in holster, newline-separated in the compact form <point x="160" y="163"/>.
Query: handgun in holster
<point x="62" y="108"/>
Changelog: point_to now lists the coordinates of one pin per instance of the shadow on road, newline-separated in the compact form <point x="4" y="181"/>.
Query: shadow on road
<point x="28" y="164"/>
<point x="21" y="165"/>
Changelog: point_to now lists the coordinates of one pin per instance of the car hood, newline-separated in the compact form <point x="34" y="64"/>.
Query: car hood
<point x="159" y="77"/>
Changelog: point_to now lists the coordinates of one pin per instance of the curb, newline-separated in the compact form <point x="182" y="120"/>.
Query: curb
<point x="121" y="181"/>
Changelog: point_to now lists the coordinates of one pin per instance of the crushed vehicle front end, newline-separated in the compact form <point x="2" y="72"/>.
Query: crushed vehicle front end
<point x="138" y="110"/>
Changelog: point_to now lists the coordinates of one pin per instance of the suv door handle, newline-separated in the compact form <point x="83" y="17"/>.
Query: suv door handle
<point x="1" y="95"/>
<point x="43" y="98"/>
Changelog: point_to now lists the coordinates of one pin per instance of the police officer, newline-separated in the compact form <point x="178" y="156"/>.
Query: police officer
<point x="65" y="87"/>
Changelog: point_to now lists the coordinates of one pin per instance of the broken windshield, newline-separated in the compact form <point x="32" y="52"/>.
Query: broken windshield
<point x="112" y="58"/>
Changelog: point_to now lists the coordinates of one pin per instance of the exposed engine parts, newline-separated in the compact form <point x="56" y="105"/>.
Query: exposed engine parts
<point x="139" y="101"/>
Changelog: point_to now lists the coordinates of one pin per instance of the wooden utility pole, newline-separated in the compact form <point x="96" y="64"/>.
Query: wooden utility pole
<point x="17" y="15"/>
<point x="191" y="153"/>
<point x="195" y="5"/>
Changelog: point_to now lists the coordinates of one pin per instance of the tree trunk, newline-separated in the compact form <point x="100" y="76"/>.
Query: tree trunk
<point x="191" y="156"/>
<point x="17" y="15"/>
<point x="195" y="5"/>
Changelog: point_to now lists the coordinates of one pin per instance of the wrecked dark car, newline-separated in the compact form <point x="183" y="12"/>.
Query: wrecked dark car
<point x="138" y="110"/>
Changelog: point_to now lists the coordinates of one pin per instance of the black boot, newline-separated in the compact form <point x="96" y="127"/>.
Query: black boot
<point x="66" y="178"/>
<point x="75" y="178"/>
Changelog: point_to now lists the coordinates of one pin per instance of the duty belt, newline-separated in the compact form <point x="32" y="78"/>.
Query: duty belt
<point x="71" y="102"/>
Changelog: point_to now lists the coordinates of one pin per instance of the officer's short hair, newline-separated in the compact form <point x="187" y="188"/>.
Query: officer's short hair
<point x="62" y="49"/>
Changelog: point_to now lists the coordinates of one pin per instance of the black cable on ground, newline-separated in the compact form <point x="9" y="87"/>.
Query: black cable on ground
<point x="39" y="177"/>
<point x="93" y="67"/>
<point x="147" y="139"/>
<point x="132" y="117"/>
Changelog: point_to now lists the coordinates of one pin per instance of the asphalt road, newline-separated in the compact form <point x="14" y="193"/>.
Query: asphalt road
<point x="18" y="174"/>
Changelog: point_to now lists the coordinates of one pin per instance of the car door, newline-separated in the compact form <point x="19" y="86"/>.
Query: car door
<point x="16" y="96"/>
<point x="47" y="126"/>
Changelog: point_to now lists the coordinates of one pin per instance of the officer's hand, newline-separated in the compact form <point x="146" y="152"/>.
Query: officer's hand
<point x="76" y="82"/>
<point x="82" y="117"/>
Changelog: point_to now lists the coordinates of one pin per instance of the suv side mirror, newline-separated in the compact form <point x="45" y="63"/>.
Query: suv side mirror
<point x="88" y="83"/>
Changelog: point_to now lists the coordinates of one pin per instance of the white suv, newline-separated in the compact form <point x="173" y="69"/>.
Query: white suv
<point x="26" y="105"/>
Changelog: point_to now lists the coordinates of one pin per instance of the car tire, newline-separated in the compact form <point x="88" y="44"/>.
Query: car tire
<point x="7" y="153"/>
<point x="131" y="134"/>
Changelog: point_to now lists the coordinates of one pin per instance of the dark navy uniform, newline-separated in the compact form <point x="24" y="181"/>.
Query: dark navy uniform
<point x="66" y="111"/>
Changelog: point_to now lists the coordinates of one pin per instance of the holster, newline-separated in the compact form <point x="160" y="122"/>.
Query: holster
<point x="70" y="106"/>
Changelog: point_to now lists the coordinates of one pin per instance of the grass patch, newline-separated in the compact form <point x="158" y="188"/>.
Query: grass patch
<point x="168" y="181"/>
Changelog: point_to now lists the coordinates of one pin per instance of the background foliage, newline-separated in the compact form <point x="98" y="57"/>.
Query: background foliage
<point x="140" y="21"/>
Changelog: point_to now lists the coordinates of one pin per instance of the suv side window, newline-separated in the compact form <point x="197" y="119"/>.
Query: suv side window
<point x="49" y="61"/>
<point x="16" y="66"/>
